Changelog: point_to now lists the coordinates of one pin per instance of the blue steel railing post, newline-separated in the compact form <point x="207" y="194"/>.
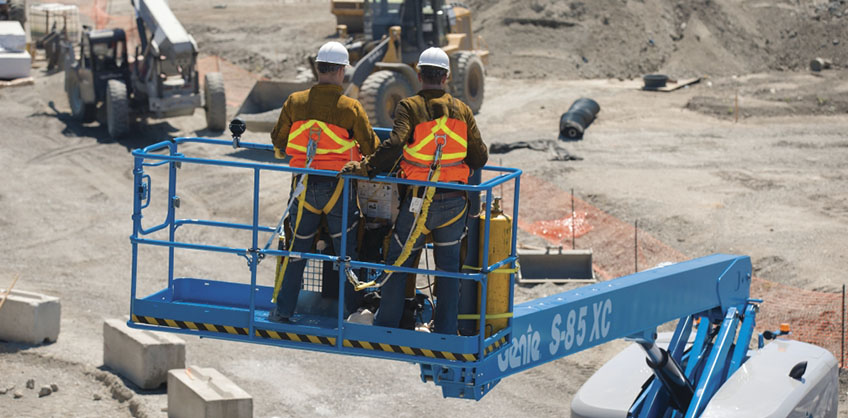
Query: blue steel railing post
<point x="254" y="259"/>
<point x="514" y="252"/>
<point x="136" y="217"/>
<point x="172" y="228"/>
<point x="484" y="264"/>
<point x="342" y="254"/>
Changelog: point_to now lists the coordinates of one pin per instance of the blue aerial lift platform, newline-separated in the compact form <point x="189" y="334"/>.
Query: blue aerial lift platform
<point x="708" y="296"/>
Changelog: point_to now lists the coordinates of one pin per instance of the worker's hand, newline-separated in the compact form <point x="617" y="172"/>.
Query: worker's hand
<point x="354" y="167"/>
<point x="279" y="154"/>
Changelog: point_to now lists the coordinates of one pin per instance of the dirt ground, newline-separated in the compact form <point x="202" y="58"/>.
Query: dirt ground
<point x="771" y="185"/>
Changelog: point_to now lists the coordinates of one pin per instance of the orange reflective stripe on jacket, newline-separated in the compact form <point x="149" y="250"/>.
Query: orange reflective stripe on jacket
<point x="421" y="153"/>
<point x="334" y="145"/>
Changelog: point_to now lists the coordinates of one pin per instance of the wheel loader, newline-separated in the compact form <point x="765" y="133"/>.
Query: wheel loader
<point x="162" y="81"/>
<point x="384" y="57"/>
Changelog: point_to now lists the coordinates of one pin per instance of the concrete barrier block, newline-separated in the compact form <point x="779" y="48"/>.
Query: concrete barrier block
<point x="14" y="64"/>
<point x="30" y="318"/>
<point x="142" y="356"/>
<point x="198" y="392"/>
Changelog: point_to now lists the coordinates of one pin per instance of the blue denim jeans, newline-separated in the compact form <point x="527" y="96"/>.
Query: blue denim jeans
<point x="446" y="243"/>
<point x="319" y="190"/>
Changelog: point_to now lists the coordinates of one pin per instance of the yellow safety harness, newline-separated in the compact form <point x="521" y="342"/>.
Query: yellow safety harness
<point x="300" y="194"/>
<point x="420" y="222"/>
<point x="315" y="125"/>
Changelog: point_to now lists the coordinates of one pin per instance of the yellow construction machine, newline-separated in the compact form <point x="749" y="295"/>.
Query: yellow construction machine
<point x="349" y="13"/>
<point x="384" y="56"/>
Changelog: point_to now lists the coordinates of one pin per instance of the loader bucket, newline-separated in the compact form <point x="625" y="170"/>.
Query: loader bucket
<point x="555" y="266"/>
<point x="261" y="108"/>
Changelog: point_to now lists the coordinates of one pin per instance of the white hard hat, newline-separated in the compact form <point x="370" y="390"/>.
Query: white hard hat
<point x="434" y="57"/>
<point x="334" y="53"/>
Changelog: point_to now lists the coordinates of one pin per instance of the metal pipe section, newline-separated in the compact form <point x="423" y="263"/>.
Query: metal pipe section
<point x="172" y="228"/>
<point x="468" y="288"/>
<point x="254" y="255"/>
<point x="668" y="372"/>
<point x="342" y="255"/>
<point x="573" y="123"/>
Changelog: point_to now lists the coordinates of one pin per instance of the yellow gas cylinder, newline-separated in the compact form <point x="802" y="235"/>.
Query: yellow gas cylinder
<point x="499" y="247"/>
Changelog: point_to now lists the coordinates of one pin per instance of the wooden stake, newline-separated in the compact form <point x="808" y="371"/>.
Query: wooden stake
<point x="636" y="246"/>
<point x="8" y="291"/>
<point x="736" y="108"/>
<point x="572" y="219"/>
<point x="842" y="334"/>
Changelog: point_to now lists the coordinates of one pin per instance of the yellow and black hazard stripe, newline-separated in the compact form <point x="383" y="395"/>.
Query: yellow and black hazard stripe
<point x="412" y="351"/>
<point x="290" y="336"/>
<point x="493" y="346"/>
<point x="400" y="349"/>
<point x="173" y="323"/>
<point x="314" y="339"/>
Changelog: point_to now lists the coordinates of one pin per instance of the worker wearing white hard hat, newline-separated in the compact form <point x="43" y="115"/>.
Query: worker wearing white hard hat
<point x="333" y="53"/>
<point x="434" y="57"/>
<point x="322" y="129"/>
<point x="436" y="139"/>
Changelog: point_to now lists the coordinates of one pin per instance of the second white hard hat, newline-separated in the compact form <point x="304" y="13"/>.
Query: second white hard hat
<point x="334" y="53"/>
<point x="434" y="57"/>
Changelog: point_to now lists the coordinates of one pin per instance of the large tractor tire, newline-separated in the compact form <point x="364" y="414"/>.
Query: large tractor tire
<point x="380" y="94"/>
<point x="468" y="79"/>
<point x="80" y="110"/>
<point x="17" y="11"/>
<point x="117" y="109"/>
<point x="216" y="102"/>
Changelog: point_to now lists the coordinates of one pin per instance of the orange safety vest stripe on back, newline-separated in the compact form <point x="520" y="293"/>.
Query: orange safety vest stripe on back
<point x="334" y="145"/>
<point x="420" y="154"/>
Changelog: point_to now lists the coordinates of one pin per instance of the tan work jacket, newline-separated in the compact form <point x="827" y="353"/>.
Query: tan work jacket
<point x="325" y="103"/>
<point x="426" y="106"/>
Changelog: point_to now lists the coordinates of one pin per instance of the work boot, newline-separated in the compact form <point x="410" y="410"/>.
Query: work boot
<point x="361" y="316"/>
<point x="421" y="327"/>
<point x="274" y="316"/>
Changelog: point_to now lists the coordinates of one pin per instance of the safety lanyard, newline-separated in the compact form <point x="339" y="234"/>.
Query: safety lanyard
<point x="311" y="150"/>
<point x="417" y="224"/>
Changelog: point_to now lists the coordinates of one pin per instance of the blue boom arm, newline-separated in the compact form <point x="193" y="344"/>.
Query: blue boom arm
<point x="546" y="329"/>
<point x="632" y="306"/>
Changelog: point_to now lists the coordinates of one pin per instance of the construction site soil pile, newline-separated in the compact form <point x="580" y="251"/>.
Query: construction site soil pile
<point x="628" y="38"/>
<point x="571" y="39"/>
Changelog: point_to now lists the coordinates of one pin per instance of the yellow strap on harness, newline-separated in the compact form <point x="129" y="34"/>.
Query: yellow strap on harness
<point x="301" y="205"/>
<point x="345" y="144"/>
<point x="419" y="227"/>
<point x="282" y="270"/>
<point x="440" y="125"/>
<point x="334" y="198"/>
